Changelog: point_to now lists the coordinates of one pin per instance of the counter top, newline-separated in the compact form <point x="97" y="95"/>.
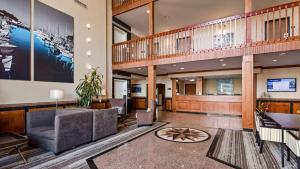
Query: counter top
<point x="209" y="98"/>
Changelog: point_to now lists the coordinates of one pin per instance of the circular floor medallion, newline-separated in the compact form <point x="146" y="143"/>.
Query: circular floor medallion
<point x="182" y="135"/>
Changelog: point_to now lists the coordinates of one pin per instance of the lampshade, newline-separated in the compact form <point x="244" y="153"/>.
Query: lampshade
<point x="56" y="94"/>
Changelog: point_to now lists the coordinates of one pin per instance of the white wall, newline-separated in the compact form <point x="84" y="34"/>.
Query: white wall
<point x="160" y="79"/>
<point x="29" y="91"/>
<point x="278" y="73"/>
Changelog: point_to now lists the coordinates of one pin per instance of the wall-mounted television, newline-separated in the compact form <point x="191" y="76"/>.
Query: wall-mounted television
<point x="282" y="85"/>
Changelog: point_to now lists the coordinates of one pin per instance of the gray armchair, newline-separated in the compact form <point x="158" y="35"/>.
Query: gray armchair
<point x="61" y="130"/>
<point x="146" y="117"/>
<point x="120" y="105"/>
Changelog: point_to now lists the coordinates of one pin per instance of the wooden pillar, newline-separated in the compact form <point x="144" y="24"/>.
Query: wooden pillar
<point x="151" y="84"/>
<point x="248" y="92"/>
<point x="151" y="18"/>
<point x="174" y="91"/>
<point x="248" y="8"/>
<point x="199" y="86"/>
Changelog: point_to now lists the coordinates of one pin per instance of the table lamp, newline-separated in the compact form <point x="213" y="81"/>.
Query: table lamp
<point x="56" y="94"/>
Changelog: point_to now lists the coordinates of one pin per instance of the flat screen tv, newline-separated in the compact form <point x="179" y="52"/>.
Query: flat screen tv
<point x="282" y="85"/>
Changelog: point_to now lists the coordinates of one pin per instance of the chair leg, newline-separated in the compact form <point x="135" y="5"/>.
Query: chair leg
<point x="261" y="146"/>
<point x="288" y="154"/>
<point x="259" y="140"/>
<point x="298" y="162"/>
<point x="256" y="136"/>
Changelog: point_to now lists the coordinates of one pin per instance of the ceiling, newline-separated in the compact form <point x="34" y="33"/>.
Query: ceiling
<point x="172" y="14"/>
<point x="263" y="60"/>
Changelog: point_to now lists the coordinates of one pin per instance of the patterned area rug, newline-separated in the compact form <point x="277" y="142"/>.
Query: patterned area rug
<point x="76" y="158"/>
<point x="182" y="135"/>
<point x="238" y="149"/>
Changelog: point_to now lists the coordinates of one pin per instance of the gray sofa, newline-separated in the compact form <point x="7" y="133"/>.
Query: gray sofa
<point x="59" y="131"/>
<point x="68" y="128"/>
<point x="105" y="123"/>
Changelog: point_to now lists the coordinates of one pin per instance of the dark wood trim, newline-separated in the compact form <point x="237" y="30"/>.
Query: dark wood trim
<point x="118" y="21"/>
<point x="121" y="25"/>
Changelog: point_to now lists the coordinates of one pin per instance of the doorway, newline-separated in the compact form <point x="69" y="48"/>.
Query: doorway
<point x="160" y="94"/>
<point x="190" y="89"/>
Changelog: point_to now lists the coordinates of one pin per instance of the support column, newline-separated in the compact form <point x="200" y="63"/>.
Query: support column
<point x="248" y="92"/>
<point x="248" y="8"/>
<point x="151" y="84"/>
<point x="174" y="91"/>
<point x="151" y="18"/>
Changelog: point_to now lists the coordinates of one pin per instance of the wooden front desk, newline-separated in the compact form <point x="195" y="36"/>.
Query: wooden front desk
<point x="229" y="105"/>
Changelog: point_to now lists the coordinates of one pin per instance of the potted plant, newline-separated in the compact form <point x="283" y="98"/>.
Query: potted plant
<point x="90" y="87"/>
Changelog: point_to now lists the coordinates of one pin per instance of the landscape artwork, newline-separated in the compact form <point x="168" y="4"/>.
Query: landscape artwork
<point x="53" y="45"/>
<point x="15" y="39"/>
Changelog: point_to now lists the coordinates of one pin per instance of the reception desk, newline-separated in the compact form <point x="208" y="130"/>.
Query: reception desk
<point x="229" y="105"/>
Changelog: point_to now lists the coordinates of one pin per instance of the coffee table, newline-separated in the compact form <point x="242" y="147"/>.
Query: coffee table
<point x="12" y="141"/>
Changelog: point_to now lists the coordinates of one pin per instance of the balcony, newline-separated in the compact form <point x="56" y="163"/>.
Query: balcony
<point x="262" y="31"/>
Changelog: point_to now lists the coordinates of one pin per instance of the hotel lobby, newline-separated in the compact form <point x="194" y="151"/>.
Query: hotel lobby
<point x="149" y="84"/>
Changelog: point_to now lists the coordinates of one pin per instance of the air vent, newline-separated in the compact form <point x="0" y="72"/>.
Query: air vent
<point x="81" y="4"/>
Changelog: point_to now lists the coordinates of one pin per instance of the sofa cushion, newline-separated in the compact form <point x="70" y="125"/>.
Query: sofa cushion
<point x="46" y="132"/>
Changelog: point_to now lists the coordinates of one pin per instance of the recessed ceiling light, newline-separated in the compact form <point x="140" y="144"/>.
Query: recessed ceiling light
<point x="221" y="60"/>
<point x="176" y="80"/>
<point x="224" y="65"/>
<point x="281" y="54"/>
<point x="174" y="65"/>
<point x="148" y="11"/>
<point x="140" y="68"/>
<point x="182" y="68"/>
<point x="274" y="60"/>
<point x="192" y="80"/>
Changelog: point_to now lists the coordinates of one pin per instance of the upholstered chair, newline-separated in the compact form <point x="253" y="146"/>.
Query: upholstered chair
<point x="293" y="144"/>
<point x="266" y="131"/>
<point x="146" y="117"/>
<point x="120" y="105"/>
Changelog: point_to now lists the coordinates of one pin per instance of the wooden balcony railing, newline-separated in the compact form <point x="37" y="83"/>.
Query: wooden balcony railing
<point x="271" y="25"/>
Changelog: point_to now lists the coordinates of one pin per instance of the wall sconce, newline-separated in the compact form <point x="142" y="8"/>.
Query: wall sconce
<point x="88" y="40"/>
<point x="88" y="26"/>
<point x="89" y="53"/>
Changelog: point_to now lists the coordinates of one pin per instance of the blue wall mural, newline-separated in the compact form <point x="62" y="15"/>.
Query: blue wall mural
<point x="53" y="45"/>
<point x="15" y="39"/>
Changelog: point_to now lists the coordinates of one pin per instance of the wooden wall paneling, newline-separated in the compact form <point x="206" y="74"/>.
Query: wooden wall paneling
<point x="279" y="107"/>
<point x="99" y="105"/>
<point x="12" y="121"/>
<point x="222" y="107"/>
<point x="208" y="107"/>
<point x="190" y="89"/>
<point x="168" y="103"/>
<point x="247" y="90"/>
<point x="296" y="108"/>
<point x="196" y="106"/>
<point x="235" y="108"/>
<point x="139" y="103"/>
<point x="182" y="105"/>
<point x="43" y="108"/>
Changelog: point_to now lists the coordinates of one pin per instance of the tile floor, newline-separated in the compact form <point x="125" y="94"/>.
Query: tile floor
<point x="151" y="152"/>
